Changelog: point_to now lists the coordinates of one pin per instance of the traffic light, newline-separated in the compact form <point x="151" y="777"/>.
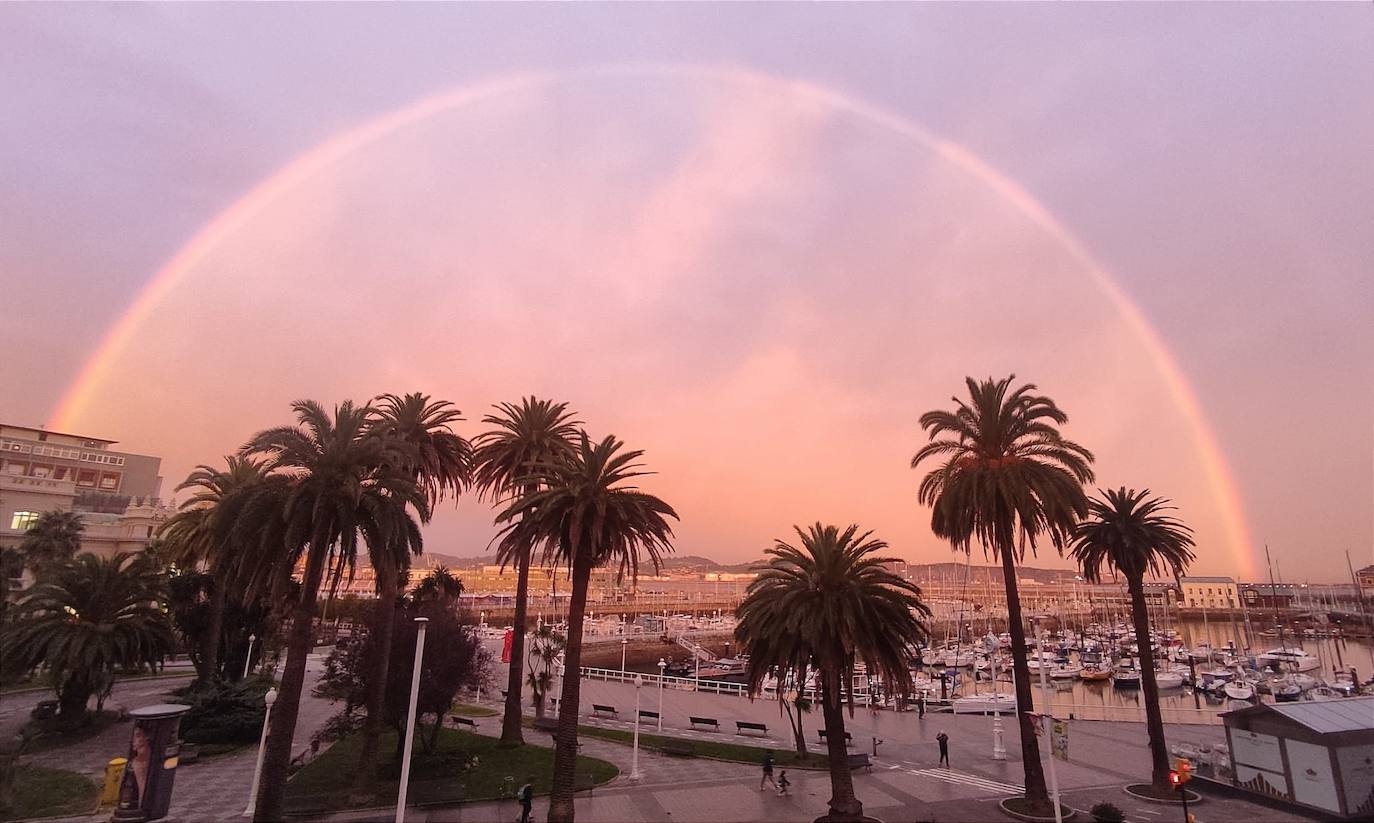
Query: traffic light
<point x="1175" y="780"/>
<point x="1183" y="768"/>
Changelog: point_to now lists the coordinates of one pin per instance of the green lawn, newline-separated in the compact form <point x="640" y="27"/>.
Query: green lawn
<point x="56" y="733"/>
<point x="469" y="710"/>
<point x="465" y="766"/>
<point x="735" y="752"/>
<point x="40" y="792"/>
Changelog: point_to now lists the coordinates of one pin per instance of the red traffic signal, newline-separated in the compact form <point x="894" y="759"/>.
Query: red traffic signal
<point x="1175" y="780"/>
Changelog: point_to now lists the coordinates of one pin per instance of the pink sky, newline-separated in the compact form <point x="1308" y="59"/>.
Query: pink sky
<point x="761" y="289"/>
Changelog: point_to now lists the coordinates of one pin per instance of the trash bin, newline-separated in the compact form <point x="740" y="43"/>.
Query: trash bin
<point x="145" y="792"/>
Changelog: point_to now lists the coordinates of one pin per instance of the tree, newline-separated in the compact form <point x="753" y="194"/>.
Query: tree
<point x="439" y="586"/>
<point x="86" y="618"/>
<point x="196" y="536"/>
<point x="586" y="515"/>
<point x="342" y="483"/>
<point x="54" y="538"/>
<point x="524" y="437"/>
<point x="1128" y="532"/>
<point x="545" y="647"/>
<point x="824" y="606"/>
<point x="438" y="461"/>
<point x="1009" y="479"/>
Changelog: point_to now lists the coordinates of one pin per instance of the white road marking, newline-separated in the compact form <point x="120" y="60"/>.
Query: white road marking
<point x="966" y="779"/>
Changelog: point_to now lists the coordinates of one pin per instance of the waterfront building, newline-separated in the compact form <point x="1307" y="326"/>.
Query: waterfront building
<point x="1210" y="593"/>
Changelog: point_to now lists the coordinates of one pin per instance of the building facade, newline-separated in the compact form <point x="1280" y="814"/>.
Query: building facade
<point x="1210" y="593"/>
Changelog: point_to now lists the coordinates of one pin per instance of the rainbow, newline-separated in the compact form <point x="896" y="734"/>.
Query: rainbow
<point x="340" y="146"/>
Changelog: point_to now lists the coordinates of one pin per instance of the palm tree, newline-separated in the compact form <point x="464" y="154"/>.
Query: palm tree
<point x="87" y="617"/>
<point x="438" y="460"/>
<point x="587" y="516"/>
<point x="545" y="647"/>
<point x="439" y="586"/>
<point x="1127" y="531"/>
<point x="343" y="482"/>
<point x="196" y="535"/>
<point x="824" y="606"/>
<point x="523" y="437"/>
<point x="54" y="538"/>
<point x="1008" y="479"/>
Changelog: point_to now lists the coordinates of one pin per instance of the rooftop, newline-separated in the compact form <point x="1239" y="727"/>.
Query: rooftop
<point x="12" y="429"/>
<point x="1207" y="580"/>
<point x="1327" y="716"/>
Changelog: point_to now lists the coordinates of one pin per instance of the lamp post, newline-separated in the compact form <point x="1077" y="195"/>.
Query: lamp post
<point x="634" y="758"/>
<point x="267" y="699"/>
<point x="1049" y="728"/>
<point x="623" y="644"/>
<point x="999" y="745"/>
<point x="421" y="623"/>
<point x="662" y="666"/>
<point x="249" y="659"/>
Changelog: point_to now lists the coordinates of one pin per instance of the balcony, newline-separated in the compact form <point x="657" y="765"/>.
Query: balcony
<point x="37" y="485"/>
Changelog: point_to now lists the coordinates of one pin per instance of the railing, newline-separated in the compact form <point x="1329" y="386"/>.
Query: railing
<point x="688" y="684"/>
<point x="699" y="652"/>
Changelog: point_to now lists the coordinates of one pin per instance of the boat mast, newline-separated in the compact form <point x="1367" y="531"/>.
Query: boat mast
<point x="1359" y="594"/>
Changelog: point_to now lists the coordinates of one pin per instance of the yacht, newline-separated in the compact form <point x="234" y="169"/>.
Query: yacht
<point x="1291" y="658"/>
<point x="1239" y="690"/>
<point x="1095" y="674"/>
<point x="1126" y="676"/>
<point x="1066" y="671"/>
<point x="995" y="703"/>
<point x="1168" y="679"/>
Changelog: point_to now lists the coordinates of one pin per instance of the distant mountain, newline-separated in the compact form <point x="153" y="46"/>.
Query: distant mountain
<point x="437" y="559"/>
<point x="955" y="573"/>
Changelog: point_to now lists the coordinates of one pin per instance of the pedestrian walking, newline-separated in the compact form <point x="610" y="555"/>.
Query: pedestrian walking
<point x="921" y="706"/>
<point x="526" y="797"/>
<point x="943" y="740"/>
<point x="767" y="770"/>
<point x="783" y="783"/>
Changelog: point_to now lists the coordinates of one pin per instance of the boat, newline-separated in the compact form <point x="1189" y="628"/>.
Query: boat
<point x="1291" y="658"/>
<point x="1126" y="678"/>
<point x="1237" y="690"/>
<point x="995" y="703"/>
<point x="1094" y="675"/>
<point x="1067" y="671"/>
<point x="1168" y="679"/>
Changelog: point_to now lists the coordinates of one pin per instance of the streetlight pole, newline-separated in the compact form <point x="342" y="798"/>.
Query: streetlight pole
<point x="624" y="643"/>
<point x="662" y="667"/>
<point x="249" y="659"/>
<point x="268" y="699"/>
<point x="420" y="622"/>
<point x="999" y="745"/>
<point x="634" y="758"/>
<point x="1049" y="727"/>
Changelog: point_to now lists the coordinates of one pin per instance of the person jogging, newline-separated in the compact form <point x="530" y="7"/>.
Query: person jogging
<point x="526" y="798"/>
<point x="767" y="770"/>
<point x="783" y="783"/>
<point x="943" y="740"/>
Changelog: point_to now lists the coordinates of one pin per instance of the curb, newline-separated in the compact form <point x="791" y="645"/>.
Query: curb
<point x="1193" y="797"/>
<point x="1068" y="813"/>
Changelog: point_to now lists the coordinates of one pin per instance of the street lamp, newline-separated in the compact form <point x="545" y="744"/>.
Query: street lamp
<point x="662" y="667"/>
<point x="267" y="699"/>
<point x="421" y="623"/>
<point x="634" y="758"/>
<point x="623" y="644"/>
<point x="249" y="658"/>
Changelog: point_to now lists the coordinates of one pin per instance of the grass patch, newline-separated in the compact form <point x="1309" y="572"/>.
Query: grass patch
<point x="40" y="792"/>
<point x="58" y="732"/>
<point x="469" y="710"/>
<point x="463" y="767"/>
<point x="734" y="752"/>
<point x="211" y="750"/>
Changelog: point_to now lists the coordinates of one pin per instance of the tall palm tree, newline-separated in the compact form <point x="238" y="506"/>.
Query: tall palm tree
<point x="439" y="586"/>
<point x="824" y="606"/>
<point x="1009" y="479"/>
<point x="87" y="617"/>
<point x="586" y="515"/>
<point x="1127" y="531"/>
<point x="54" y="538"/>
<point x="196" y="536"/>
<point x="438" y="460"/>
<point x="343" y="483"/>
<point x="523" y="437"/>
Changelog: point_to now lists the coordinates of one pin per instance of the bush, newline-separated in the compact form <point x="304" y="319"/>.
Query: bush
<point x="225" y="713"/>
<point x="1107" y="813"/>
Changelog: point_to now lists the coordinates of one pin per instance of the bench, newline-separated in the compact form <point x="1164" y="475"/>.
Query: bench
<point x="598" y="709"/>
<point x="678" y="748"/>
<point x="704" y="721"/>
<point x="860" y="761"/>
<point x="462" y="721"/>
<point x="645" y="714"/>
<point x="742" y="726"/>
<point x="848" y="738"/>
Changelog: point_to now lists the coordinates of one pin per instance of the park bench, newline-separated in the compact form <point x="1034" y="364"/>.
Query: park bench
<point x="860" y="761"/>
<point x="462" y="721"/>
<point x="704" y="721"/>
<point x="742" y="726"/>
<point x="678" y="748"/>
<point x="848" y="738"/>
<point x="645" y="714"/>
<point x="598" y="709"/>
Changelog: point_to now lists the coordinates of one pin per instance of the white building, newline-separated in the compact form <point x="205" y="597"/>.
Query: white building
<point x="1210" y="593"/>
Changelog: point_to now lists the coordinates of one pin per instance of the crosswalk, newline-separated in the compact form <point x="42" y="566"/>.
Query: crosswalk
<point x="966" y="779"/>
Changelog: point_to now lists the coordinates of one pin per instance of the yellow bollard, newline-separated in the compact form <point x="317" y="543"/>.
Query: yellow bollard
<point x="114" y="773"/>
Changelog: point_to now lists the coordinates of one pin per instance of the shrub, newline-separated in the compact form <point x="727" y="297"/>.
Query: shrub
<point x="225" y="713"/>
<point x="1107" y="813"/>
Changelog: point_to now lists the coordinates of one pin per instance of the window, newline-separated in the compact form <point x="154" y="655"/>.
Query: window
<point x="42" y="471"/>
<point x="60" y="473"/>
<point x="109" y="482"/>
<point x="85" y="477"/>
<point x="23" y="521"/>
<point x="12" y="467"/>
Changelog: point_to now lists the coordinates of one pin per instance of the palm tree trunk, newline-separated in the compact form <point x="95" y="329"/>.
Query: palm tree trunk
<point x="844" y="805"/>
<point x="510" y="723"/>
<point x="277" y="752"/>
<point x="1036" y="794"/>
<point x="1154" y="718"/>
<point x="383" y="626"/>
<point x="214" y="641"/>
<point x="565" y="752"/>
